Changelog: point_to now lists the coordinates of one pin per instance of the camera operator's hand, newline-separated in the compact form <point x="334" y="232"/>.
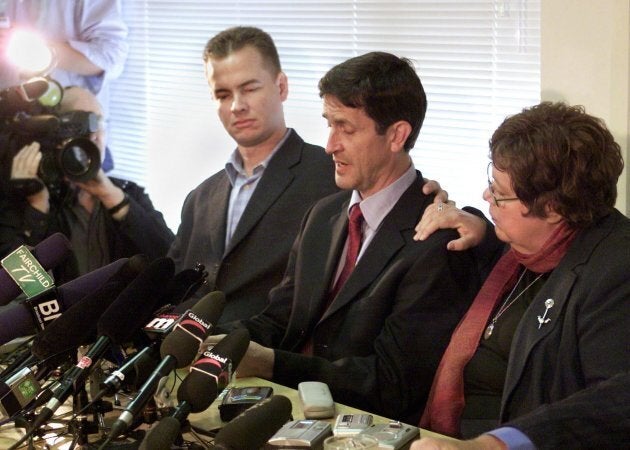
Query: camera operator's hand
<point x="24" y="166"/>
<point x="110" y="195"/>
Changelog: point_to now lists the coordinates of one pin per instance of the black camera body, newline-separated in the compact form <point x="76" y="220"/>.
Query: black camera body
<point x="67" y="151"/>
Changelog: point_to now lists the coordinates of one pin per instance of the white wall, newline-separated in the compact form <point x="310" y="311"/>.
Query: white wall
<point x="585" y="59"/>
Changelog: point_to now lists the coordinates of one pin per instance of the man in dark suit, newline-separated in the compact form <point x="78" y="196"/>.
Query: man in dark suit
<point x="369" y="310"/>
<point x="240" y="222"/>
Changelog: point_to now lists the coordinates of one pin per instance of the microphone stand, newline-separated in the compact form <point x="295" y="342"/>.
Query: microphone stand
<point x="80" y="427"/>
<point x="24" y="421"/>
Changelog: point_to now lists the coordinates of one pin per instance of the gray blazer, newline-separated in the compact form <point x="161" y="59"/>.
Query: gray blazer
<point x="297" y="176"/>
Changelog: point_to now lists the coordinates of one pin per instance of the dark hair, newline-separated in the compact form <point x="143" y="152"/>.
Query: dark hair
<point x="386" y="86"/>
<point x="558" y="156"/>
<point x="236" y="38"/>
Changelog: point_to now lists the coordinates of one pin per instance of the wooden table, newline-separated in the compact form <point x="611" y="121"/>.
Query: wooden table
<point x="208" y="420"/>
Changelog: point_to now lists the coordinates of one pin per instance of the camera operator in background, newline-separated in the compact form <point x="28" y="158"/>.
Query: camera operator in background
<point x="88" y="37"/>
<point x="104" y="218"/>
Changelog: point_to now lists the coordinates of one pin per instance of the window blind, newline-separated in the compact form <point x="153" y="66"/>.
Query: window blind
<point x="478" y="60"/>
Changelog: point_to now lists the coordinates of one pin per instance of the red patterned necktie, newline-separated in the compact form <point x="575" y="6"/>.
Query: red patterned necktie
<point x="355" y="236"/>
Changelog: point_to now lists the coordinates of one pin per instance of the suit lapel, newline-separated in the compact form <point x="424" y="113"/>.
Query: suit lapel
<point x="339" y="233"/>
<point x="219" y="200"/>
<point x="529" y="330"/>
<point x="315" y="280"/>
<point x="384" y="246"/>
<point x="274" y="182"/>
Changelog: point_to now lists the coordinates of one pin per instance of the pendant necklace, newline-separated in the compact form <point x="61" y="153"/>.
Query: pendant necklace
<point x="507" y="303"/>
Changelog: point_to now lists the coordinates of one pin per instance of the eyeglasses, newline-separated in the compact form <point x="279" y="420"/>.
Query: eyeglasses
<point x="491" y="189"/>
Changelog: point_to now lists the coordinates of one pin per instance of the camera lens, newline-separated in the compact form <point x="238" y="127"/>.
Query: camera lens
<point x="79" y="159"/>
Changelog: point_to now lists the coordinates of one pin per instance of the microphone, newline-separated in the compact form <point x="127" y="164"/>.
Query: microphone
<point x="208" y="375"/>
<point x="177" y="350"/>
<point x="65" y="333"/>
<point x="75" y="327"/>
<point x="255" y="426"/>
<point x="137" y="369"/>
<point x="185" y="283"/>
<point x="164" y="433"/>
<point x="50" y="252"/>
<point x="213" y="369"/>
<point x="134" y="371"/>
<point x="123" y="317"/>
<point x="79" y="327"/>
<point x="17" y="392"/>
<point x="22" y="319"/>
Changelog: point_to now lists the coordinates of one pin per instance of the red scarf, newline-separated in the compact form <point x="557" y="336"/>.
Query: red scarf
<point x="446" y="398"/>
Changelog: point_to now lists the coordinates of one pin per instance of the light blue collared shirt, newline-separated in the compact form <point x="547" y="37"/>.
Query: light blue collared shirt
<point x="375" y="208"/>
<point x="243" y="187"/>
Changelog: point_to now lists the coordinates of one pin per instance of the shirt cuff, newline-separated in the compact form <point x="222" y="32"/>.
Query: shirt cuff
<point x="513" y="438"/>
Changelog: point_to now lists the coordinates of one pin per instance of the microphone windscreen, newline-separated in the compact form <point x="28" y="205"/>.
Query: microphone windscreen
<point x="136" y="304"/>
<point x="183" y="342"/>
<point x="77" y="326"/>
<point x="127" y="268"/>
<point x="160" y="437"/>
<point x="255" y="426"/>
<point x="200" y="387"/>
<point x="17" y="319"/>
<point x="233" y="346"/>
<point x="73" y="328"/>
<point x="199" y="390"/>
<point x="183" y="285"/>
<point x="50" y="252"/>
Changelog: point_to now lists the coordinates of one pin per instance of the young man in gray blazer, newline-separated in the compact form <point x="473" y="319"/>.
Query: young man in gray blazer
<point x="240" y="222"/>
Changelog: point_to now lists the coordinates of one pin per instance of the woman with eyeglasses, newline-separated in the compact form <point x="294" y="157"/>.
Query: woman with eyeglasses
<point x="553" y="317"/>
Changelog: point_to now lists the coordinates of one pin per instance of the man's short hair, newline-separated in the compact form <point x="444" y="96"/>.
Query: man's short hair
<point x="385" y="86"/>
<point x="236" y="38"/>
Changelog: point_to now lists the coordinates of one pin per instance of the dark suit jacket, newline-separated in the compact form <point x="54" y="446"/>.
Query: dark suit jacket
<point x="595" y="418"/>
<point x="378" y="345"/>
<point x="587" y="339"/>
<point x="297" y="176"/>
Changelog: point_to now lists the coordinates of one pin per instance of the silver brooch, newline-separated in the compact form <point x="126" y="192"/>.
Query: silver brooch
<point x="544" y="319"/>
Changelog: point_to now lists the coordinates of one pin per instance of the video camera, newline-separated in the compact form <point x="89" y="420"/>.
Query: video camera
<point x="67" y="151"/>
